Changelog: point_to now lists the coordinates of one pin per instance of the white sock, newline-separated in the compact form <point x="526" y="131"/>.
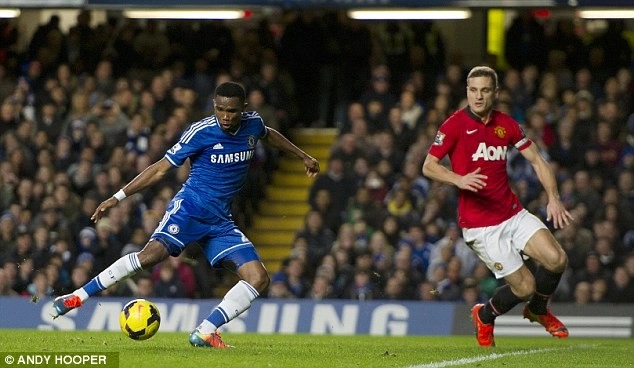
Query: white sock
<point x="236" y="301"/>
<point x="124" y="267"/>
<point x="206" y="327"/>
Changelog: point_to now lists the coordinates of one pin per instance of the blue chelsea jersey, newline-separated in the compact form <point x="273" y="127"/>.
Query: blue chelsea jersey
<point x="219" y="162"/>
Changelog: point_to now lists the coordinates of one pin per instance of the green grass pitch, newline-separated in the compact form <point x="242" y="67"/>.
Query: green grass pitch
<point x="255" y="350"/>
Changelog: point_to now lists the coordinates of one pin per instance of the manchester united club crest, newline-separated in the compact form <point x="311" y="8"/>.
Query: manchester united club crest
<point x="498" y="266"/>
<point x="499" y="131"/>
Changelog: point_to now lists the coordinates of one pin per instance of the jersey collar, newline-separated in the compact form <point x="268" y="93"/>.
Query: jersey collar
<point x="477" y="118"/>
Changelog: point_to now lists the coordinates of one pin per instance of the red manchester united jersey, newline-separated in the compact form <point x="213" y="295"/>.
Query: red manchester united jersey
<point x="471" y="144"/>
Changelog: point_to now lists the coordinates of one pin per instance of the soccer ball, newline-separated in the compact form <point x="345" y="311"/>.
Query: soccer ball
<point x="140" y="319"/>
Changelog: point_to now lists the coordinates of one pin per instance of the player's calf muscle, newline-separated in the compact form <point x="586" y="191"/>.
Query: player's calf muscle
<point x="152" y="253"/>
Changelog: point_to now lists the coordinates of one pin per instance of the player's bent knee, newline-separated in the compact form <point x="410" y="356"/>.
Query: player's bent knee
<point x="259" y="281"/>
<point x="561" y="263"/>
<point x="557" y="262"/>
<point x="255" y="274"/>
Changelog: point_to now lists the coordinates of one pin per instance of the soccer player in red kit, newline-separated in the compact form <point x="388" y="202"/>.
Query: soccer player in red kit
<point x="494" y="223"/>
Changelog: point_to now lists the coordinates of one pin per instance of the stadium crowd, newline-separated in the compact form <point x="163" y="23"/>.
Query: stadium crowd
<point x="84" y="111"/>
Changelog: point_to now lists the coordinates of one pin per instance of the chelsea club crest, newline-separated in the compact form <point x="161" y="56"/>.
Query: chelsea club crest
<point x="173" y="229"/>
<point x="251" y="141"/>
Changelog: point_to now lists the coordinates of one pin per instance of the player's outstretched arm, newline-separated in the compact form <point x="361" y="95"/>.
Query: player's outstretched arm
<point x="277" y="140"/>
<point x="145" y="179"/>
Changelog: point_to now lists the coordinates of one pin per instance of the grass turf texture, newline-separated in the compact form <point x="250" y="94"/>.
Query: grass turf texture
<point x="252" y="350"/>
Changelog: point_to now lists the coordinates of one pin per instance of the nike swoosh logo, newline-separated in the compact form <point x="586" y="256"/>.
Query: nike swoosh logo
<point x="472" y="131"/>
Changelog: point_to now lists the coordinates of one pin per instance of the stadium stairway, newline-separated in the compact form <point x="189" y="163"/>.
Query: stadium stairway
<point x="282" y="211"/>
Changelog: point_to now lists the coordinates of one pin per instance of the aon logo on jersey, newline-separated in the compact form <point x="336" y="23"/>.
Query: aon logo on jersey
<point x="490" y="153"/>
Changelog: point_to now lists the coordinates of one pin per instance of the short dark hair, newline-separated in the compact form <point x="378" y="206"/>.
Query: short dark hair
<point x="484" y="71"/>
<point x="231" y="89"/>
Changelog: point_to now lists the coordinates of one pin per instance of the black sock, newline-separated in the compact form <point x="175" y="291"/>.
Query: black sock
<point x="503" y="300"/>
<point x="545" y="284"/>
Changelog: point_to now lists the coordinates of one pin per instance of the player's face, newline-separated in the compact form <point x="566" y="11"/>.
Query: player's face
<point x="481" y="94"/>
<point x="228" y="110"/>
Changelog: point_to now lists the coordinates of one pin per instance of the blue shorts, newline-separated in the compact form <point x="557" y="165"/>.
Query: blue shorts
<point x="221" y="240"/>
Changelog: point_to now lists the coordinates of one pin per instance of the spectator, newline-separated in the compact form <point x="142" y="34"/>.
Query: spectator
<point x="620" y="287"/>
<point x="41" y="245"/>
<point x="177" y="280"/>
<point x="377" y="186"/>
<point x="328" y="210"/>
<point x="611" y="49"/>
<point x="14" y="279"/>
<point x="152" y="46"/>
<point x="402" y="133"/>
<point x="79" y="276"/>
<point x="8" y="234"/>
<point x="361" y="206"/>
<point x="427" y="292"/>
<point x="486" y="281"/>
<point x="144" y="287"/>
<point x="411" y="111"/>
<point x="293" y="275"/>
<point x="321" y="289"/>
<point x="457" y="247"/>
<point x="279" y="290"/>
<point x="599" y="291"/>
<point x="362" y="287"/>
<point x="583" y="293"/>
<point x="584" y="192"/>
<point x="5" y="287"/>
<point x="593" y="270"/>
<point x="471" y="294"/>
<point x="168" y="284"/>
<point x="449" y="287"/>
<point x="24" y="246"/>
<point x="394" y="290"/>
<point x="318" y="237"/>
<point x="382" y="253"/>
<point x="576" y="242"/>
<point x="39" y="288"/>
<point x="385" y="149"/>
<point x="112" y="122"/>
<point x="420" y="248"/>
<point x="405" y="271"/>
<point x="87" y="261"/>
<point x="336" y="181"/>
<point x="604" y="249"/>
<point x="525" y="42"/>
<point x="339" y="259"/>
<point x="107" y="248"/>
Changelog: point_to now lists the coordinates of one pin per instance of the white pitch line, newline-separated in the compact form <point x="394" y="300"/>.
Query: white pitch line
<point x="493" y="356"/>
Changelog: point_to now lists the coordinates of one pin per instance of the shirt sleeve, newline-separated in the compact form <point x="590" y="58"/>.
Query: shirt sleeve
<point x="519" y="138"/>
<point x="190" y="143"/>
<point x="444" y="141"/>
<point x="263" y="130"/>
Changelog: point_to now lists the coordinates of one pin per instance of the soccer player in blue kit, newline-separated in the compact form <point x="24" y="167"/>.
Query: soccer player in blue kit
<point x="219" y="148"/>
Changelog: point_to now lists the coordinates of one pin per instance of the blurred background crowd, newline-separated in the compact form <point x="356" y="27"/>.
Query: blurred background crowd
<point x="84" y="111"/>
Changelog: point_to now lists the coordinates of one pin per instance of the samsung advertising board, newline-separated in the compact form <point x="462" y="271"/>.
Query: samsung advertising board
<point x="328" y="317"/>
<point x="265" y="316"/>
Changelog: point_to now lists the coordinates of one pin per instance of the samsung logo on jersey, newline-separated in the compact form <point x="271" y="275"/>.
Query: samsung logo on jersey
<point x="228" y="158"/>
<point x="490" y="153"/>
